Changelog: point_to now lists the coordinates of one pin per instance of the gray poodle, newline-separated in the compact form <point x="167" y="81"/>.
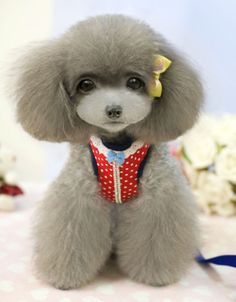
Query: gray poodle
<point x="120" y="191"/>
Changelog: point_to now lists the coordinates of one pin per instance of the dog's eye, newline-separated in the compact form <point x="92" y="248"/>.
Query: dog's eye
<point x="135" y="83"/>
<point x="86" y="85"/>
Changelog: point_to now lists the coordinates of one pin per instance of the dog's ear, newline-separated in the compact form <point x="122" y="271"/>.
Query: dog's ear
<point x="177" y="109"/>
<point x="43" y="106"/>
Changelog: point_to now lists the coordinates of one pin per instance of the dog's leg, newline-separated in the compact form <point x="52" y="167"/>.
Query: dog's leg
<point x="157" y="234"/>
<point x="72" y="233"/>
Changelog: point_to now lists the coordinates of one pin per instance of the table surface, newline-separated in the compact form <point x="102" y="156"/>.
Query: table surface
<point x="201" y="284"/>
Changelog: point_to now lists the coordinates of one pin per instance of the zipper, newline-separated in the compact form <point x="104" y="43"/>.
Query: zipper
<point x="116" y="174"/>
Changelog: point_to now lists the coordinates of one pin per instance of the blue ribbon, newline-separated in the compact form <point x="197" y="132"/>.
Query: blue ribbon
<point x="227" y="260"/>
<point x="118" y="157"/>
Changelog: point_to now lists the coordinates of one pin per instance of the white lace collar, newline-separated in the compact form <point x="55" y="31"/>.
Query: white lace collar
<point x="97" y="142"/>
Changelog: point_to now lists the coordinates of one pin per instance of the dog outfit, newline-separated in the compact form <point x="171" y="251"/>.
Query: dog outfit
<point x="118" y="167"/>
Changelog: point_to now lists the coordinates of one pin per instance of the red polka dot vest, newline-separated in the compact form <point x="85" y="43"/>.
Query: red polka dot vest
<point x="118" y="171"/>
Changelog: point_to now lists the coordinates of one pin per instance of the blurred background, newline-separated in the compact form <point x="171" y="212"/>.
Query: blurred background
<point x="204" y="30"/>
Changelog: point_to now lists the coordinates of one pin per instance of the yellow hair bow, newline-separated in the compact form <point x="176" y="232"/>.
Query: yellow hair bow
<point x="161" y="64"/>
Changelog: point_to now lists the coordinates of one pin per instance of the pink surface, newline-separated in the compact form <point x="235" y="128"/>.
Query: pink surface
<point x="18" y="284"/>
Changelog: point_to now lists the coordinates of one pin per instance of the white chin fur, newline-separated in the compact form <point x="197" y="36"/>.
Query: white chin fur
<point x="114" y="127"/>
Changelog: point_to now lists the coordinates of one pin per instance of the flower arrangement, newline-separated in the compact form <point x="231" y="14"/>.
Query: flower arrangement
<point x="8" y="180"/>
<point x="208" y="155"/>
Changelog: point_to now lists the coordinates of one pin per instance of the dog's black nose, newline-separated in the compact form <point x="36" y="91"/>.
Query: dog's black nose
<point x="113" y="111"/>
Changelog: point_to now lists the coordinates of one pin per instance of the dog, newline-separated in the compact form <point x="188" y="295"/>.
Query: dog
<point x="91" y="88"/>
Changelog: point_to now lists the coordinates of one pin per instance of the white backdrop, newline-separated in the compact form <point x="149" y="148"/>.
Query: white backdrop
<point x="20" y="23"/>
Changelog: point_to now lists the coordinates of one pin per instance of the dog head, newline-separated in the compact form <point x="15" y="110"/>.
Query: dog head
<point x="94" y="80"/>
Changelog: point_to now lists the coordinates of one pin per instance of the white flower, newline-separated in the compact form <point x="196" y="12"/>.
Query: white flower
<point x="227" y="209"/>
<point x="6" y="203"/>
<point x="201" y="150"/>
<point x="10" y="178"/>
<point x="215" y="189"/>
<point x="203" y="202"/>
<point x="199" y="144"/>
<point x="225" y="164"/>
<point x="212" y="142"/>
<point x="224" y="131"/>
<point x="214" y="195"/>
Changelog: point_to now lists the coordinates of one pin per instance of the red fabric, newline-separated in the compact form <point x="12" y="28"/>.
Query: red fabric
<point x="10" y="190"/>
<point x="128" y="174"/>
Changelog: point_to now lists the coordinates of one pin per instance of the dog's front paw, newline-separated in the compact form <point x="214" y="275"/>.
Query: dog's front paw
<point x="63" y="280"/>
<point x="160" y="277"/>
<point x="61" y="272"/>
<point x="65" y="285"/>
<point x="153" y="275"/>
<point x="61" y="287"/>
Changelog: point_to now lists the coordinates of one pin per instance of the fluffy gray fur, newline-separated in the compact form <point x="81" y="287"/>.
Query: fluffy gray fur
<point x="154" y="236"/>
